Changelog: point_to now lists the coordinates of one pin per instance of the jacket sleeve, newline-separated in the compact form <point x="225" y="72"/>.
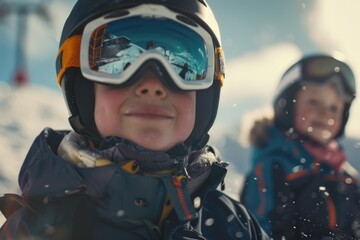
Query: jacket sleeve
<point x="269" y="198"/>
<point x="225" y="218"/>
<point x="49" y="220"/>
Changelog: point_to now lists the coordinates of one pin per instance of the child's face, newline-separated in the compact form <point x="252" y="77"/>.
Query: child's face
<point x="146" y="113"/>
<point x="319" y="112"/>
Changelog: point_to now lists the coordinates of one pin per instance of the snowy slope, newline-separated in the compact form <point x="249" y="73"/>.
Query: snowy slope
<point x="24" y="112"/>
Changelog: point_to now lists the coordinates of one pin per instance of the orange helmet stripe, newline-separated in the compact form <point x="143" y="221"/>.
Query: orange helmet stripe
<point x="68" y="56"/>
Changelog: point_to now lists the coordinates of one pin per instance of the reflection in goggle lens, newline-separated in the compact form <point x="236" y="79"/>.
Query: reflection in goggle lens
<point x="116" y="45"/>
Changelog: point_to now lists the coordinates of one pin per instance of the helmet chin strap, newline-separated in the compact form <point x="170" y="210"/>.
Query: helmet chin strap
<point x="76" y="124"/>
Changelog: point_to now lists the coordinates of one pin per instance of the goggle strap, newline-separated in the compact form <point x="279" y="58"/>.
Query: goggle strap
<point x="68" y="56"/>
<point x="220" y="65"/>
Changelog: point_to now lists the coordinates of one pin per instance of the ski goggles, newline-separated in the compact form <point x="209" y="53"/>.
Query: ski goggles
<point x="320" y="69"/>
<point x="113" y="48"/>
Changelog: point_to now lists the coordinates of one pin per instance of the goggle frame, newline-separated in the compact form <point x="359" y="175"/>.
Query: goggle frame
<point x="154" y="11"/>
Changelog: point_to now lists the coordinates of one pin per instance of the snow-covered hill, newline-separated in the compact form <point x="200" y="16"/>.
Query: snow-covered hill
<point x="24" y="112"/>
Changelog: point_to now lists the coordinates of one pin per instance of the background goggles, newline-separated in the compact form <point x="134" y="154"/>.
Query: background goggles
<point x="319" y="69"/>
<point x="113" y="49"/>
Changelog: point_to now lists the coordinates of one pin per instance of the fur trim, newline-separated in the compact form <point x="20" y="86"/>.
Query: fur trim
<point x="259" y="134"/>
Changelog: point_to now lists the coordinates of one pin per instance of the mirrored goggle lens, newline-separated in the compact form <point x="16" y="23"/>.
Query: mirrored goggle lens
<point x="117" y="45"/>
<point x="324" y="67"/>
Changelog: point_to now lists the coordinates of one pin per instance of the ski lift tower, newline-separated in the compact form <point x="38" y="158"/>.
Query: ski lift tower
<point x="22" y="9"/>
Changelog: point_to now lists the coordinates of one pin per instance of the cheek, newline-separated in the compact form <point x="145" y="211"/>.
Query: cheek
<point x="187" y="108"/>
<point x="337" y="123"/>
<point x="107" y="107"/>
<point x="300" y="125"/>
<point x="302" y="118"/>
<point x="101" y="116"/>
<point x="188" y="118"/>
<point x="300" y="114"/>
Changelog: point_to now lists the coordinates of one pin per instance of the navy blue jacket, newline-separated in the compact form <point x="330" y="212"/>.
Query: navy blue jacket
<point x="60" y="201"/>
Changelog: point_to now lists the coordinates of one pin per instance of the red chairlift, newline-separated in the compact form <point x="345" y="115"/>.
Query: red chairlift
<point x="21" y="77"/>
<point x="22" y="10"/>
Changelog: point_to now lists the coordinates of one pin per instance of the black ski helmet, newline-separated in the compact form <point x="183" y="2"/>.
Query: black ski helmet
<point x="312" y="68"/>
<point x="79" y="91"/>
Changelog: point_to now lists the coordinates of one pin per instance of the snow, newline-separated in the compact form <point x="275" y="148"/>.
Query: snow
<point x="24" y="113"/>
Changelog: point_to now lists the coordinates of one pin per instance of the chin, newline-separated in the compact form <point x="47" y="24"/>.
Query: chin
<point x="321" y="140"/>
<point x="153" y="147"/>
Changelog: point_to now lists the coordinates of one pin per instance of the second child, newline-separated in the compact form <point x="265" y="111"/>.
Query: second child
<point x="300" y="185"/>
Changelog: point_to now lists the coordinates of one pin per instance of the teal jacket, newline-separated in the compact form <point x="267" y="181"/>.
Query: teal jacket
<point x="292" y="196"/>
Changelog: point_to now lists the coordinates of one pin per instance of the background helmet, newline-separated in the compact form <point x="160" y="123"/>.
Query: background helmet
<point x="315" y="69"/>
<point x="79" y="91"/>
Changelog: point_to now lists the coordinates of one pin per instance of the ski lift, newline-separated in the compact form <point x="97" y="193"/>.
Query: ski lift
<point x="22" y="10"/>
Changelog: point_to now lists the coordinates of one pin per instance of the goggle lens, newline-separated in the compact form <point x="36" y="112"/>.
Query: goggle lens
<point x="116" y="45"/>
<point x="323" y="67"/>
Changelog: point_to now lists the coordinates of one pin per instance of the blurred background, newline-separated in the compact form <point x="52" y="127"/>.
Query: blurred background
<point x="260" y="40"/>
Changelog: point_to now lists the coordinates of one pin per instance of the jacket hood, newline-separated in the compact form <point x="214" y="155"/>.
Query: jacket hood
<point x="43" y="173"/>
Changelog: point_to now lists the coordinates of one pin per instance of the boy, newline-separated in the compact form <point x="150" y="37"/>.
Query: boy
<point x="141" y="80"/>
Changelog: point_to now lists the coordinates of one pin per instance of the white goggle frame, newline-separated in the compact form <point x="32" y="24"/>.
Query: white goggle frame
<point x="152" y="11"/>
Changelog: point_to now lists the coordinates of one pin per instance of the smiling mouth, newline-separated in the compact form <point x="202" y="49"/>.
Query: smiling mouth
<point x="149" y="113"/>
<point x="319" y="125"/>
<point x="150" y="116"/>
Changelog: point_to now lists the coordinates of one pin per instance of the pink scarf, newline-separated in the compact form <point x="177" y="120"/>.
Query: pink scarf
<point x="330" y="154"/>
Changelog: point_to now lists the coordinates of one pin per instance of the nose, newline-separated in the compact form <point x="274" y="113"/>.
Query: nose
<point x="323" y="109"/>
<point x="151" y="86"/>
